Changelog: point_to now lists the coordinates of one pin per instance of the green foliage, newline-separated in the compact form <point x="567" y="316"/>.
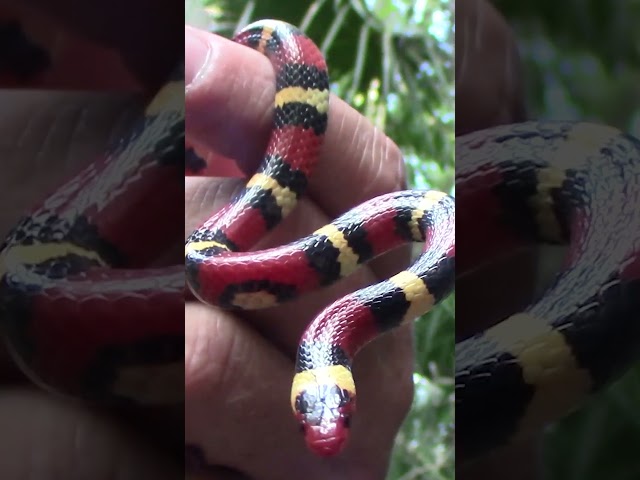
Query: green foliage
<point x="600" y="440"/>
<point x="582" y="58"/>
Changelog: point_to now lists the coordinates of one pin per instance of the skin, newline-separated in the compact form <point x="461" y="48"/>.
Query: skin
<point x="48" y="136"/>
<point x="238" y="368"/>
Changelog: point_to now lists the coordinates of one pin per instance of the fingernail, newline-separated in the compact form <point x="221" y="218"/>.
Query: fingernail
<point x="197" y="52"/>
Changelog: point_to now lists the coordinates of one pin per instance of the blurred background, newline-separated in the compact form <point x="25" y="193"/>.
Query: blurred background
<point x="393" y="60"/>
<point x="582" y="62"/>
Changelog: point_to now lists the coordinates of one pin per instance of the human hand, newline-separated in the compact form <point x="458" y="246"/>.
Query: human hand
<point x="239" y="368"/>
<point x="47" y="137"/>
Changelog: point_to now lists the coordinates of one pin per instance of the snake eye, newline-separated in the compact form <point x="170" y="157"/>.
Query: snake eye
<point x="304" y="402"/>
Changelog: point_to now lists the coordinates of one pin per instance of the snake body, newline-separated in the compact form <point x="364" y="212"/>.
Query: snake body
<point x="559" y="182"/>
<point x="84" y="310"/>
<point x="221" y="271"/>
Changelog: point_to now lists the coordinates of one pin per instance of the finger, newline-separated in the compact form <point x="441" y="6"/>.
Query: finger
<point x="229" y="103"/>
<point x="42" y="434"/>
<point x="239" y="383"/>
<point x="489" y="86"/>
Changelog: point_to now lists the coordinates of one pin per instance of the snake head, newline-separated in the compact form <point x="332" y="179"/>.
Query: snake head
<point x="324" y="411"/>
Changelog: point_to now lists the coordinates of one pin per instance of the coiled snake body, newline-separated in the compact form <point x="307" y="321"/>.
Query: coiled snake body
<point x="83" y="309"/>
<point x="563" y="183"/>
<point x="545" y="181"/>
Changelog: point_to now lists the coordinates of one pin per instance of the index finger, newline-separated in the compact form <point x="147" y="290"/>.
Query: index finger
<point x="229" y="103"/>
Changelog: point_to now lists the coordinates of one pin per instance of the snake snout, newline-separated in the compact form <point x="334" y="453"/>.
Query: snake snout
<point x="326" y="440"/>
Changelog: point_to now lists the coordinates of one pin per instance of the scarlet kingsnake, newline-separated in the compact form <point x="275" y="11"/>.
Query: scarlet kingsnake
<point x="560" y="183"/>
<point x="83" y="309"/>
<point x="547" y="181"/>
<point x="220" y="270"/>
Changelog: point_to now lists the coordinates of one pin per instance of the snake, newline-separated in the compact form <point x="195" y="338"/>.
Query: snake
<point x="567" y="183"/>
<point x="570" y="183"/>
<point x="221" y="271"/>
<point x="88" y="307"/>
